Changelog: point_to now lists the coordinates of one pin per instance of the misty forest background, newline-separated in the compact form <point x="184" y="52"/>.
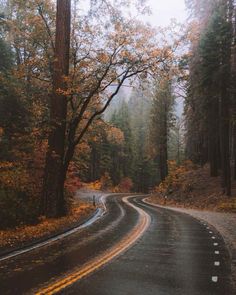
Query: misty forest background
<point x="121" y="86"/>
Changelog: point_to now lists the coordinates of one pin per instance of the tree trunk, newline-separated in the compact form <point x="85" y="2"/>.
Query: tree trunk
<point x="213" y="135"/>
<point x="164" y="144"/>
<point x="234" y="148"/>
<point x="234" y="89"/>
<point x="55" y="174"/>
<point x="226" y="47"/>
<point x="225" y="149"/>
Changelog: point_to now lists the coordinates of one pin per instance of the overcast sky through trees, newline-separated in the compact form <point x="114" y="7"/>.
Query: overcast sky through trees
<point x="164" y="11"/>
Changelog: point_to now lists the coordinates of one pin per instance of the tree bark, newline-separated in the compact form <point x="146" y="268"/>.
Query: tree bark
<point x="164" y="143"/>
<point x="234" y="89"/>
<point x="55" y="173"/>
<point x="225" y="149"/>
<point x="213" y="135"/>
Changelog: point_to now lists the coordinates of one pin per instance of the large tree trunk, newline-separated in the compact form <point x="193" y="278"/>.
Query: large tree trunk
<point x="225" y="149"/>
<point x="55" y="173"/>
<point x="163" y="158"/>
<point x="234" y="146"/>
<point x="234" y="89"/>
<point x="213" y="135"/>
<point x="225" y="100"/>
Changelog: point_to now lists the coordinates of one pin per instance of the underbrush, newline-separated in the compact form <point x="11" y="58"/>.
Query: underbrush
<point x="191" y="186"/>
<point x="45" y="227"/>
<point x="16" y="208"/>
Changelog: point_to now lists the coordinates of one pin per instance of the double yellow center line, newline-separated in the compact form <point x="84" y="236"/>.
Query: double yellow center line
<point x="93" y="265"/>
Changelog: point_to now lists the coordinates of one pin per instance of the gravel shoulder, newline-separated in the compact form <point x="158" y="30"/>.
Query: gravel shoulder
<point x="224" y="223"/>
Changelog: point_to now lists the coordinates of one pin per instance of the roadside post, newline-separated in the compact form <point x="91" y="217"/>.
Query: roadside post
<point x="94" y="204"/>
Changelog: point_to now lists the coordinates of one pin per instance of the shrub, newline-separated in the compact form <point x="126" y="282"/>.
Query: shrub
<point x="125" y="185"/>
<point x="174" y="179"/>
<point x="106" y="182"/>
<point x="17" y="208"/>
<point x="19" y="195"/>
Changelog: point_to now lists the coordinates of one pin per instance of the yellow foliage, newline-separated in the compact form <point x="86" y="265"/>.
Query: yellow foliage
<point x="96" y="185"/>
<point x="1" y="131"/>
<point x="115" y="135"/>
<point x="45" y="227"/>
<point x="14" y="176"/>
<point x="173" y="181"/>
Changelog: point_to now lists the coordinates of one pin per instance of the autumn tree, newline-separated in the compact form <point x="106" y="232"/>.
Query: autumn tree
<point x="55" y="174"/>
<point x="99" y="68"/>
<point x="65" y="76"/>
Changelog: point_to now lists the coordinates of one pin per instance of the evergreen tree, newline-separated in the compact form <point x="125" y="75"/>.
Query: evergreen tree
<point x="121" y="120"/>
<point x="208" y="105"/>
<point x="161" y="118"/>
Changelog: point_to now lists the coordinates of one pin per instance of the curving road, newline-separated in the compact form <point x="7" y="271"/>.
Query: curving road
<point x="175" y="254"/>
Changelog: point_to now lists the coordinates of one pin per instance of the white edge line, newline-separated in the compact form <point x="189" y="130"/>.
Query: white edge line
<point x="146" y="220"/>
<point x="214" y="279"/>
<point x="99" y="214"/>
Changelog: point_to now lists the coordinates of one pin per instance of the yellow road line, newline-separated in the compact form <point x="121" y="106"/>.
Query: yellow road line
<point x="91" y="266"/>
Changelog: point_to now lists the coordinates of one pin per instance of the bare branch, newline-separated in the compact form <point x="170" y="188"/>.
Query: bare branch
<point x="40" y="10"/>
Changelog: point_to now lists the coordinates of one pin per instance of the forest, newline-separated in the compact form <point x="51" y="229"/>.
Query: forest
<point x="91" y="96"/>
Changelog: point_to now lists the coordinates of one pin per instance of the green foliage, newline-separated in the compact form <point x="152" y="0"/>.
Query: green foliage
<point x="214" y="40"/>
<point x="121" y="120"/>
<point x="210" y="103"/>
<point x="19" y="198"/>
<point x="6" y="57"/>
<point x="206" y="65"/>
<point x="162" y="118"/>
<point x="14" y="118"/>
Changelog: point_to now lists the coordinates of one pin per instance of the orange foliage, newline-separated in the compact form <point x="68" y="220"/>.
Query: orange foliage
<point x="96" y="185"/>
<point x="174" y="179"/>
<point x="104" y="183"/>
<point x="73" y="182"/>
<point x="14" y="176"/>
<point x="115" y="135"/>
<point x="45" y="227"/>
<point x="125" y="186"/>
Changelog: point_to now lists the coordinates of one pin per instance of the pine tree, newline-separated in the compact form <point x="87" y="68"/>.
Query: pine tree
<point x="208" y="105"/>
<point x="161" y="115"/>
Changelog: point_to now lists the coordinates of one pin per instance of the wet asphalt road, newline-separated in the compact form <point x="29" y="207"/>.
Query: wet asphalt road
<point x="26" y="273"/>
<point x="176" y="255"/>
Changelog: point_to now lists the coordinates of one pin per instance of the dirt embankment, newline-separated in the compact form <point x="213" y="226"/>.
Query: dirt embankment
<point x="194" y="192"/>
<point x="195" y="189"/>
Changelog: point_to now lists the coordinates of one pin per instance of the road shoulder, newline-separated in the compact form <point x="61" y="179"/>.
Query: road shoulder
<point x="224" y="223"/>
<point x="28" y="236"/>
